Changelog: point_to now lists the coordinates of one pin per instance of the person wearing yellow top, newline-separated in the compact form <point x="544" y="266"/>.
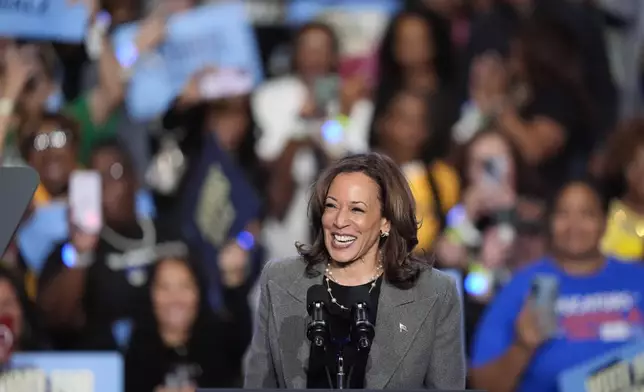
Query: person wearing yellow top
<point x="403" y="132"/>
<point x="624" y="236"/>
<point x="436" y="190"/>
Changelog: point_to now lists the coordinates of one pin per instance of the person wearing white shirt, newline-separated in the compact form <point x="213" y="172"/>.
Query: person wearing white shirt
<point x="305" y="119"/>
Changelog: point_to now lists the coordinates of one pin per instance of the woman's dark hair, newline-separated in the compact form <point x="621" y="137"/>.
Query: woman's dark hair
<point x="391" y="72"/>
<point x="320" y="26"/>
<point x="30" y="126"/>
<point x="437" y="142"/>
<point x="33" y="337"/>
<point x="623" y="145"/>
<point x="401" y="267"/>
<point x="149" y="322"/>
<point x="552" y="57"/>
<point x="595" y="187"/>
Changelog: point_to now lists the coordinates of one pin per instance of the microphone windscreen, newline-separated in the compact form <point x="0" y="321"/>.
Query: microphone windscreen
<point x="316" y="293"/>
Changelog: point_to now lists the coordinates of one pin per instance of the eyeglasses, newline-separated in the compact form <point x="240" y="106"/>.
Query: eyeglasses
<point x="54" y="139"/>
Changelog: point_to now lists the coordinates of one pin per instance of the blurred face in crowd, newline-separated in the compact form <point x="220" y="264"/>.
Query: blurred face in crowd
<point x="41" y="85"/>
<point x="414" y="46"/>
<point x="118" y="185"/>
<point x="175" y="296"/>
<point x="229" y="120"/>
<point x="405" y="126"/>
<point x="489" y="156"/>
<point x="635" y="174"/>
<point x="314" y="53"/>
<point x="52" y="152"/>
<point x="577" y="222"/>
<point x="10" y="307"/>
<point x="352" y="218"/>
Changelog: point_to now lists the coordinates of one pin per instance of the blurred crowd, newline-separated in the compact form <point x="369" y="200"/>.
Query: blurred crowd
<point x="516" y="123"/>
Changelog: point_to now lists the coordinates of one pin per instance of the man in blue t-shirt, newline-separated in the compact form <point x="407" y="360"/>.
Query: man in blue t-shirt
<point x="595" y="314"/>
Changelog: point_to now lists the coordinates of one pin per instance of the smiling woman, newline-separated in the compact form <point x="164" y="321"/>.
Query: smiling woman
<point x="364" y="231"/>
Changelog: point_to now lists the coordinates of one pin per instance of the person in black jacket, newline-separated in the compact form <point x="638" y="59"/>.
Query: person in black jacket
<point x="184" y="345"/>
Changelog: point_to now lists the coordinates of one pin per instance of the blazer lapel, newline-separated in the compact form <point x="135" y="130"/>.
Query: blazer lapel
<point x="400" y="316"/>
<point x="289" y="310"/>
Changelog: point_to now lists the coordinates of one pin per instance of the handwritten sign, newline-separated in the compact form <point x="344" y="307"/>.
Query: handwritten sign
<point x="52" y="20"/>
<point x="212" y="35"/>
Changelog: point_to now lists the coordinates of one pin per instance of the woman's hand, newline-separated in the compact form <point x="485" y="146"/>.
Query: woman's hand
<point x="489" y="82"/>
<point x="451" y="254"/>
<point x="151" y="33"/>
<point x="19" y="68"/>
<point x="482" y="199"/>
<point x="528" y="334"/>
<point x="495" y="250"/>
<point x="83" y="242"/>
<point x="191" y="94"/>
<point x="233" y="263"/>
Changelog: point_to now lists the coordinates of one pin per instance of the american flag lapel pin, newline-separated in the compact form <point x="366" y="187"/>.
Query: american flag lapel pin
<point x="403" y="327"/>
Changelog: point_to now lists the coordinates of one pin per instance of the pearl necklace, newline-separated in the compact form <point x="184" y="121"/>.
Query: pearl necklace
<point x="329" y="276"/>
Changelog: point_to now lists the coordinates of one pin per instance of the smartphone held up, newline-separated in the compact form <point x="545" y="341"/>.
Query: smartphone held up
<point x="85" y="201"/>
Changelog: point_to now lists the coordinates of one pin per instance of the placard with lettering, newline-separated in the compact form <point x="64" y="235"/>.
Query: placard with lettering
<point x="69" y="372"/>
<point x="619" y="370"/>
<point x="218" y="35"/>
<point x="359" y="25"/>
<point x="52" y="20"/>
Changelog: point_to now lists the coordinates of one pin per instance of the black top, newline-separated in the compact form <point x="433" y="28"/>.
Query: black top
<point x="210" y="359"/>
<point x="355" y="362"/>
<point x="115" y="295"/>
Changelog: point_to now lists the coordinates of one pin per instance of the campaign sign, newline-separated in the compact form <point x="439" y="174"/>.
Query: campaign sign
<point x="302" y="11"/>
<point x="52" y="20"/>
<point x="619" y="370"/>
<point x="217" y="35"/>
<point x="70" y="371"/>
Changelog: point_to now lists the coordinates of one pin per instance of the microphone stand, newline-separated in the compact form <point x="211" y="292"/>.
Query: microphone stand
<point x="340" y="376"/>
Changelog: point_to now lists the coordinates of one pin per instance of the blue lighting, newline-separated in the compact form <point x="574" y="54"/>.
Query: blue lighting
<point x="456" y="215"/>
<point x="332" y="131"/>
<point x="69" y="255"/>
<point x="477" y="283"/>
<point x="246" y="240"/>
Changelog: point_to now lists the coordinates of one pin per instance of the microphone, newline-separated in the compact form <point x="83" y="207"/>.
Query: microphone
<point x="362" y="331"/>
<point x="318" y="329"/>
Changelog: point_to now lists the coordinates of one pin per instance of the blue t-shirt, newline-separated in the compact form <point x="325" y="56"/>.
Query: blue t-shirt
<point x="592" y="312"/>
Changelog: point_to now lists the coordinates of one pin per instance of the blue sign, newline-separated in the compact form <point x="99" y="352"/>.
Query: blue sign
<point x="217" y="35"/>
<point x="621" y="369"/>
<point x="302" y="11"/>
<point x="98" y="372"/>
<point x="52" y="20"/>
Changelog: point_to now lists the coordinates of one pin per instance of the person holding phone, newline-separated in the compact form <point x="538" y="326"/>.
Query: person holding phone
<point x="92" y="286"/>
<point x="564" y="309"/>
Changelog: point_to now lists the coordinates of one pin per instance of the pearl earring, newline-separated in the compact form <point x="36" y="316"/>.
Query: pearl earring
<point x="384" y="234"/>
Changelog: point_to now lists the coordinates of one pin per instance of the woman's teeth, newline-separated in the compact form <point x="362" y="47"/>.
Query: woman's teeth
<point x="344" y="239"/>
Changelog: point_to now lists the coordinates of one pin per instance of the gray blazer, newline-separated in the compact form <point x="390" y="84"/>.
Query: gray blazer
<point x="418" y="342"/>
